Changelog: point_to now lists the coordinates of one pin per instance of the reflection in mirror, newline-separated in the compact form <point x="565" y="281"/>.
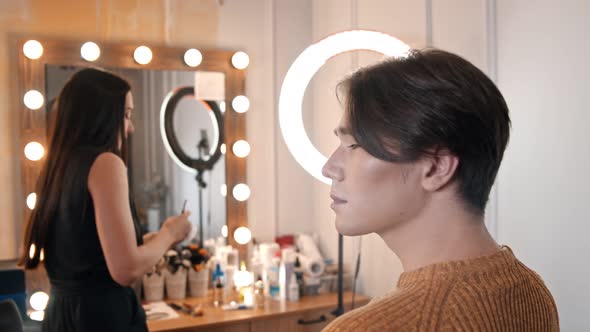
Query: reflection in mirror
<point x="160" y="185"/>
<point x="197" y="133"/>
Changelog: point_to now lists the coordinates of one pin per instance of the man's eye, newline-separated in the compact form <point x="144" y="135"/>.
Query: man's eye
<point x="352" y="146"/>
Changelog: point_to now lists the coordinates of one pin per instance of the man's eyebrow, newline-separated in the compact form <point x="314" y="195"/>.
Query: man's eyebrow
<point x="342" y="131"/>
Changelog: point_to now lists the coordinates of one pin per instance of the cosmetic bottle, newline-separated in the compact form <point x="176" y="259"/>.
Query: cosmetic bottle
<point x="293" y="289"/>
<point x="218" y="293"/>
<point x="218" y="288"/>
<point x="299" y="275"/>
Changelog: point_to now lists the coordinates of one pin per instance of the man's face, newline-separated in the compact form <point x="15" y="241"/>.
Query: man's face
<point x="370" y="195"/>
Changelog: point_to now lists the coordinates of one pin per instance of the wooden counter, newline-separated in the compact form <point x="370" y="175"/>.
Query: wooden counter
<point x="304" y="315"/>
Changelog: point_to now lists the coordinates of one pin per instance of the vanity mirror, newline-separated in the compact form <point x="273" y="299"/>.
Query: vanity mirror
<point x="202" y="94"/>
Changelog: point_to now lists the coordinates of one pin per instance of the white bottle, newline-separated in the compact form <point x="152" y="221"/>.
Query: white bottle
<point x="293" y="289"/>
<point x="282" y="282"/>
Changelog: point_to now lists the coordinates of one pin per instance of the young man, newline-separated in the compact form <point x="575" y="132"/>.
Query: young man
<point x="422" y="139"/>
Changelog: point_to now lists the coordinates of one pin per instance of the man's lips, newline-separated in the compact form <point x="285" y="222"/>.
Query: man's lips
<point x="337" y="199"/>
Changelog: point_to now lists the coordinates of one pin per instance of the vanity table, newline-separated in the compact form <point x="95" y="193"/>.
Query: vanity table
<point x="310" y="313"/>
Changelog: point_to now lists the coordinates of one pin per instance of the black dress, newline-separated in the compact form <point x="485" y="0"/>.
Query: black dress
<point x="84" y="296"/>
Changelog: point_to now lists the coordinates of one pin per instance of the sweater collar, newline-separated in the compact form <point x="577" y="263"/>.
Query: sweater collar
<point x="446" y="270"/>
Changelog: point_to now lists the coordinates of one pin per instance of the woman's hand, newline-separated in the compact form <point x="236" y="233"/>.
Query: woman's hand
<point x="177" y="227"/>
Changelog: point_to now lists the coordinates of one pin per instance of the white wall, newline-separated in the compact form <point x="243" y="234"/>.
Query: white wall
<point x="544" y="74"/>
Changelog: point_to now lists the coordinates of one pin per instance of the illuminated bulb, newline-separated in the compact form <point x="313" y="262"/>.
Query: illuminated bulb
<point x="240" y="104"/>
<point x="243" y="278"/>
<point x="90" y="51"/>
<point x="39" y="301"/>
<point x="34" y="151"/>
<point x="223" y="190"/>
<point x="242" y="235"/>
<point x="193" y="57"/>
<point x="31" y="200"/>
<point x="32" y="250"/>
<point x="241" y="148"/>
<point x="224" y="231"/>
<point x="222" y="106"/>
<point x="240" y="60"/>
<point x="142" y="55"/>
<point x="223" y="148"/>
<point x="33" y="99"/>
<point x="241" y="192"/>
<point x="37" y="315"/>
<point x="33" y="49"/>
<point x="42" y="255"/>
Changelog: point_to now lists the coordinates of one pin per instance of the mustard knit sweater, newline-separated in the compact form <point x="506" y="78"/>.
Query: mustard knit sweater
<point x="490" y="293"/>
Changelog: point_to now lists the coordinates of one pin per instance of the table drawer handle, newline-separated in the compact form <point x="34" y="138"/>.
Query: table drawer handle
<point x="309" y="322"/>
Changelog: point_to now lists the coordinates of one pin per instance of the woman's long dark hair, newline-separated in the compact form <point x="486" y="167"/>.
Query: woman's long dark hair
<point x="90" y="113"/>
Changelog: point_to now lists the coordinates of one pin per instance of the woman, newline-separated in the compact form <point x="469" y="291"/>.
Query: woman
<point x="422" y="139"/>
<point x="84" y="223"/>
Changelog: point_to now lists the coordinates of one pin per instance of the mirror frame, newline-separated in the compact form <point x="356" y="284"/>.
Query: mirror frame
<point x="33" y="123"/>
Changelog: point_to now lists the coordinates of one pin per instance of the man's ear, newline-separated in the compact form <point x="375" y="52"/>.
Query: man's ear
<point x="439" y="169"/>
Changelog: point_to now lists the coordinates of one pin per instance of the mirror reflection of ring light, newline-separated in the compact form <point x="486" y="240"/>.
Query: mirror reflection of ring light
<point x="300" y="74"/>
<point x="170" y="140"/>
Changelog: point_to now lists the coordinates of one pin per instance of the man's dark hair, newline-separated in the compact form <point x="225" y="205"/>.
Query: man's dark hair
<point x="404" y="108"/>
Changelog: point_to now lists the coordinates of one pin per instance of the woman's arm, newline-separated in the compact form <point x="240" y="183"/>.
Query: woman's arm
<point x="148" y="236"/>
<point x="126" y="261"/>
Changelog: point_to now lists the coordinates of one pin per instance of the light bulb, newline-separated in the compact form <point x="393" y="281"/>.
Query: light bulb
<point x="90" y="51"/>
<point x="241" y="148"/>
<point x="34" y="151"/>
<point x="37" y="315"/>
<point x="223" y="190"/>
<point x="193" y="57"/>
<point x="240" y="104"/>
<point x="223" y="148"/>
<point x="224" y="231"/>
<point x="241" y="192"/>
<point x="33" y="49"/>
<point x="242" y="235"/>
<point x="39" y="300"/>
<point x="33" y="99"/>
<point x="222" y="106"/>
<point x="142" y="55"/>
<point x="32" y="250"/>
<point x="243" y="278"/>
<point x="240" y="60"/>
<point x="42" y="255"/>
<point x="31" y="200"/>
